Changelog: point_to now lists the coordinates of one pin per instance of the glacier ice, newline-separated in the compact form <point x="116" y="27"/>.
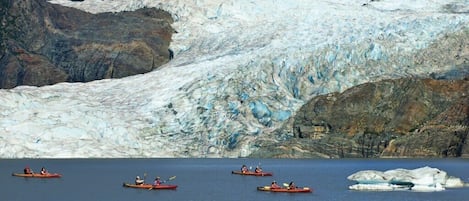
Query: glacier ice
<point x="419" y="179"/>
<point x="240" y="70"/>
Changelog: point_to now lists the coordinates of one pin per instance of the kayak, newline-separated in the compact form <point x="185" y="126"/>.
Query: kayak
<point x="150" y="186"/>
<point x="249" y="173"/>
<point x="38" y="175"/>
<point x="285" y="190"/>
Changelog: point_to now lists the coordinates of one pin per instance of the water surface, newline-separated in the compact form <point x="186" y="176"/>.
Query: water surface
<point x="211" y="179"/>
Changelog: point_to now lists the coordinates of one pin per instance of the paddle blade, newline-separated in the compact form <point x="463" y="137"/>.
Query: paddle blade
<point x="171" y="178"/>
<point x="286" y="185"/>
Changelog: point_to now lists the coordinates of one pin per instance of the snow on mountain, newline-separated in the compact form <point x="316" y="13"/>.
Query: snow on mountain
<point x="241" y="69"/>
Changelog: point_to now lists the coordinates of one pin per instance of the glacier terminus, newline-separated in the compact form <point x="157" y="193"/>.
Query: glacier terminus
<point x="241" y="70"/>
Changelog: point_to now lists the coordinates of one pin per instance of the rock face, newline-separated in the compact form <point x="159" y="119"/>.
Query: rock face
<point x="392" y="118"/>
<point x="44" y="43"/>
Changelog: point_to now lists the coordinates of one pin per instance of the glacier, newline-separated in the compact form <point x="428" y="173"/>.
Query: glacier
<point x="240" y="71"/>
<point x="424" y="179"/>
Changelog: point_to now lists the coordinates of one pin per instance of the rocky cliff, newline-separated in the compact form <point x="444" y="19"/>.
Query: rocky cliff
<point x="392" y="118"/>
<point x="45" y="43"/>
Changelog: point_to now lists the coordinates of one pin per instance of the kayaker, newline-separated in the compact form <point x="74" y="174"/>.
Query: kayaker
<point x="244" y="169"/>
<point x="157" y="181"/>
<point x="274" y="185"/>
<point x="139" y="181"/>
<point x="258" y="169"/>
<point x="43" y="171"/>
<point x="291" y="185"/>
<point x="27" y="170"/>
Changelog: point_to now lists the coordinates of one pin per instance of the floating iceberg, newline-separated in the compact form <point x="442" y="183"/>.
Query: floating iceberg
<point x="420" y="179"/>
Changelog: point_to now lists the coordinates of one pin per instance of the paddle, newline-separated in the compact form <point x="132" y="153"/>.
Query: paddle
<point x="169" y="179"/>
<point x="164" y="181"/>
<point x="287" y="185"/>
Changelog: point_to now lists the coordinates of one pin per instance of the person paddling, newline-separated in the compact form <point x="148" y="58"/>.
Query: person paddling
<point x="139" y="181"/>
<point x="258" y="169"/>
<point x="44" y="171"/>
<point x="27" y="170"/>
<point x="244" y="169"/>
<point x="157" y="181"/>
<point x="291" y="185"/>
<point x="274" y="185"/>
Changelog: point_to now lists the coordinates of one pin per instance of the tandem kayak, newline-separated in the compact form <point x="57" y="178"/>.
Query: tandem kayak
<point x="249" y="173"/>
<point x="38" y="175"/>
<point x="285" y="190"/>
<point x="150" y="186"/>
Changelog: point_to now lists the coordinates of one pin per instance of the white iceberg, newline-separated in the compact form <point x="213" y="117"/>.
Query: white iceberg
<point x="420" y="179"/>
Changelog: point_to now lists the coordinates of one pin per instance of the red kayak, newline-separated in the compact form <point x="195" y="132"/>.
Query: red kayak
<point x="150" y="186"/>
<point x="249" y="173"/>
<point x="38" y="175"/>
<point x="285" y="190"/>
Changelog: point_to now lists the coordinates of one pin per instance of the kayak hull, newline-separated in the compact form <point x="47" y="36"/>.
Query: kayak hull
<point x="249" y="173"/>
<point x="150" y="186"/>
<point x="285" y="190"/>
<point x="37" y="175"/>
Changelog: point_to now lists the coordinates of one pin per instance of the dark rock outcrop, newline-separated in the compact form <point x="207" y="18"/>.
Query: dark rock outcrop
<point x="401" y="118"/>
<point x="45" y="43"/>
<point x="392" y="118"/>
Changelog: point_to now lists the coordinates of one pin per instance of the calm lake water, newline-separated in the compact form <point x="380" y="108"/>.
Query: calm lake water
<point x="211" y="179"/>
